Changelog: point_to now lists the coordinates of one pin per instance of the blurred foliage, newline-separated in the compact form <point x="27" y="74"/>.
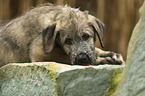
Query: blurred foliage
<point x="119" y="16"/>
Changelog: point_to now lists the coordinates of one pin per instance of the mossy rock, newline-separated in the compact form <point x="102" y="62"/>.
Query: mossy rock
<point x="54" y="79"/>
<point x="132" y="82"/>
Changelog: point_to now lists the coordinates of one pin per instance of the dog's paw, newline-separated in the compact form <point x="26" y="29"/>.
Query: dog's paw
<point x="110" y="58"/>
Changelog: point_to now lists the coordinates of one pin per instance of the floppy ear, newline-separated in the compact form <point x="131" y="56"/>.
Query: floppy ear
<point x="48" y="38"/>
<point x="99" y="28"/>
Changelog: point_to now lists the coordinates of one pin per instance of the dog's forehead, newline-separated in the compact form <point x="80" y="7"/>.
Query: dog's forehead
<point x="76" y="28"/>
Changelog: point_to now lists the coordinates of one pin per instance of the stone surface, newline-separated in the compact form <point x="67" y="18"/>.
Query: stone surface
<point x="53" y="79"/>
<point x="26" y="80"/>
<point x="133" y="79"/>
<point x="88" y="81"/>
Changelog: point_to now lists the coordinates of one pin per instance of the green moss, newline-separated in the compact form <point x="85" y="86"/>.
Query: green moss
<point x="113" y="82"/>
<point x="52" y="68"/>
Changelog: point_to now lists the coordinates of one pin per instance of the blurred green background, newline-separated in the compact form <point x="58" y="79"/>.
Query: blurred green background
<point x="119" y="16"/>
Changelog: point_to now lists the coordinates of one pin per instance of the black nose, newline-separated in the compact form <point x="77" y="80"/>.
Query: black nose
<point x="82" y="58"/>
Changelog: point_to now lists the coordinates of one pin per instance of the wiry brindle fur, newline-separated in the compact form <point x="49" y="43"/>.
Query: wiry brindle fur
<point x="54" y="33"/>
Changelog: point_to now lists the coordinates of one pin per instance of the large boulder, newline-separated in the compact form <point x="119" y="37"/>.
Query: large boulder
<point x="133" y="79"/>
<point x="53" y="79"/>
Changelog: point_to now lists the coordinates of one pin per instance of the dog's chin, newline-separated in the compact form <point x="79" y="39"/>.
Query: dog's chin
<point x="82" y="64"/>
<point x="85" y="64"/>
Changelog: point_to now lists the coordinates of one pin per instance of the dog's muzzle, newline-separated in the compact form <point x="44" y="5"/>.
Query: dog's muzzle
<point x="83" y="59"/>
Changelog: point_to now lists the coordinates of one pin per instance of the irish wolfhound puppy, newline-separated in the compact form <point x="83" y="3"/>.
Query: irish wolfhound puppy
<point x="54" y="33"/>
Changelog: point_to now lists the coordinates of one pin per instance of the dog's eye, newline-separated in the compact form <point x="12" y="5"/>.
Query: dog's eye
<point x="85" y="36"/>
<point x="68" y="41"/>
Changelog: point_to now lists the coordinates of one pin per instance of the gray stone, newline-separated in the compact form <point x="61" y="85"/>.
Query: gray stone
<point x="53" y="79"/>
<point x="26" y="80"/>
<point x="88" y="81"/>
<point x="133" y="79"/>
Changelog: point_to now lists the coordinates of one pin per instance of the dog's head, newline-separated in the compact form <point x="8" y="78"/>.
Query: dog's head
<point x="76" y="34"/>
